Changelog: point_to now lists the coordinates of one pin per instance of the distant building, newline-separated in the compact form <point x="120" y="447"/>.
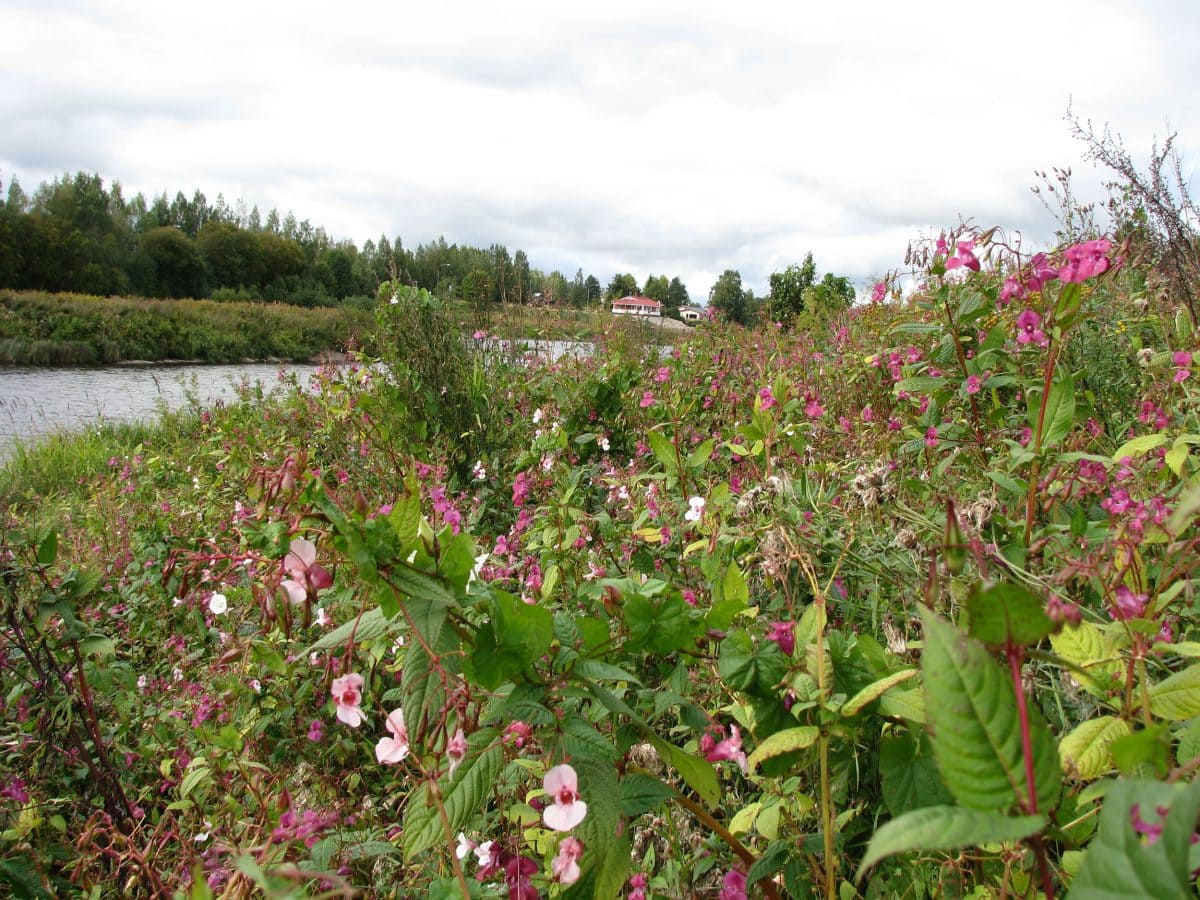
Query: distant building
<point x="636" y="306"/>
<point x="691" y="313"/>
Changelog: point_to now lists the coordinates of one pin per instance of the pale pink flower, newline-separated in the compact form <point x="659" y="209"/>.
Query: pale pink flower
<point x="301" y="564"/>
<point x="456" y="750"/>
<point x="567" y="810"/>
<point x="347" y="697"/>
<point x="695" y="509"/>
<point x="565" y="866"/>
<point x="391" y="750"/>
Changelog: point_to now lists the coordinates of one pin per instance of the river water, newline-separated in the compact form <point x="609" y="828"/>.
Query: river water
<point x="38" y="401"/>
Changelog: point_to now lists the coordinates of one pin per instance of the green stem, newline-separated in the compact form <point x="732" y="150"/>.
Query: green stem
<point x="1031" y="499"/>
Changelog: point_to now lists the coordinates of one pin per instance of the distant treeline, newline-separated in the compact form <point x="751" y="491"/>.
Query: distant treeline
<point x="78" y="235"/>
<point x="75" y="329"/>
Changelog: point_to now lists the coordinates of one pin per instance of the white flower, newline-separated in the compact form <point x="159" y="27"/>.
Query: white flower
<point x="203" y="835"/>
<point x="603" y="442"/>
<point x="256" y="685"/>
<point x="141" y="682"/>
<point x="537" y="416"/>
<point x="465" y="846"/>
<point x="483" y="853"/>
<point x="479" y="470"/>
<point x="695" y="509"/>
<point x="178" y="601"/>
<point x="322" y="620"/>
<point x="217" y="604"/>
<point x="394" y="300"/>
<point x="177" y="673"/>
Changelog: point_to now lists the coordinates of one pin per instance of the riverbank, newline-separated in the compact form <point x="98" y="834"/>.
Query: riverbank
<point x="41" y="329"/>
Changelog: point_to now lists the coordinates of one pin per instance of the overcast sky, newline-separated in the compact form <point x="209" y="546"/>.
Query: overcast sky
<point x="654" y="137"/>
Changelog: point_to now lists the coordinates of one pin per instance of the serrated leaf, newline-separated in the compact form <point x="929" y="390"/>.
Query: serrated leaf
<point x="601" y="671"/>
<point x="774" y="858"/>
<point x="1085" y="753"/>
<point x="1177" y="697"/>
<point x="1060" y="412"/>
<point x="875" y="690"/>
<point x="462" y="798"/>
<point x="641" y="793"/>
<point x="784" y="742"/>
<point x="663" y="450"/>
<point x="369" y="626"/>
<point x="1139" y="445"/>
<point x="945" y="828"/>
<point x="919" y="384"/>
<point x="1084" y="646"/>
<point x="47" y="551"/>
<point x="908" y="773"/>
<point x="973" y="721"/>
<point x="1121" y="863"/>
<point x="908" y="705"/>
<point x="582" y="741"/>
<point x="1008" y="613"/>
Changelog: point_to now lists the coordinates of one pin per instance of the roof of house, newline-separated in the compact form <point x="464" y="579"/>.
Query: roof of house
<point x="632" y="300"/>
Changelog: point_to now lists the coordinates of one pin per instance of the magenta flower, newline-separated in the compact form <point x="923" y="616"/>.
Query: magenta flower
<point x="1029" y="329"/>
<point x="964" y="257"/>
<point x="1012" y="290"/>
<point x="567" y="810"/>
<point x="879" y="292"/>
<point x="565" y="866"/>
<point x="766" y="398"/>
<point x="783" y="634"/>
<point x="931" y="436"/>
<point x="347" y="697"/>
<point x="662" y="375"/>
<point x="734" y="886"/>
<point x="726" y="748"/>
<point x="314" y="731"/>
<point x="1128" y="605"/>
<point x="1182" y="359"/>
<point x="1084" y="261"/>
<point x="647" y="399"/>
<point x="1040" y="272"/>
<point x="973" y="384"/>
<point x="391" y="750"/>
<point x="812" y="407"/>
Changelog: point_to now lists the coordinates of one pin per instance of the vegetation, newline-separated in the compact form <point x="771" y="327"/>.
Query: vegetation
<point x="901" y="605"/>
<point x="73" y="329"/>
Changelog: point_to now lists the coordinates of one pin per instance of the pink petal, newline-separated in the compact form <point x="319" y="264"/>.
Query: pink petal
<point x="295" y="591"/>
<point x="564" y="816"/>
<point x="390" y="751"/>
<point x="561" y="777"/>
<point x="351" y="715"/>
<point x="395" y="724"/>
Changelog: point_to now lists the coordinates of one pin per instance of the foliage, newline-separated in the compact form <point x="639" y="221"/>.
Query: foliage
<point x="902" y="606"/>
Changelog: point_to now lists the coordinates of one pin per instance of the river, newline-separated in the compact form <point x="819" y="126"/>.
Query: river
<point x="38" y="401"/>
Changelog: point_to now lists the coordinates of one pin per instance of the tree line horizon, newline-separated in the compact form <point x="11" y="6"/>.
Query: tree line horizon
<point x="76" y="235"/>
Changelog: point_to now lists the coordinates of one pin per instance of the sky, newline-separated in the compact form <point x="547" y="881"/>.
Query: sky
<point x="677" y="138"/>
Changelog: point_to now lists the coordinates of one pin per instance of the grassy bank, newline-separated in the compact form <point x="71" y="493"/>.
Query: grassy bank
<point x="568" y="324"/>
<point x="74" y="329"/>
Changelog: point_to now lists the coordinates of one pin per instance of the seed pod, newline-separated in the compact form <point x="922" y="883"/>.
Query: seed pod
<point x="954" y="546"/>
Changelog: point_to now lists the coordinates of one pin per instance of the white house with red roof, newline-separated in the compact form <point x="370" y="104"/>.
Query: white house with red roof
<point x="634" y="305"/>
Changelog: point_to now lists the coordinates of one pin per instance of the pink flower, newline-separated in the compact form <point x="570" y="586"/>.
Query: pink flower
<point x="766" y="398"/>
<point x="314" y="731"/>
<point x="1029" y="329"/>
<point x="1012" y="290"/>
<point x="973" y="384"/>
<point x="931" y="436"/>
<point x="662" y="375"/>
<point x="695" y="509"/>
<point x="301" y="564"/>
<point x="964" y="257"/>
<point x="1063" y="610"/>
<point x="518" y="732"/>
<point x="1182" y="359"/>
<point x="1128" y="605"/>
<point x="782" y="633"/>
<point x="567" y="810"/>
<point x="347" y="695"/>
<point x="813" y="408"/>
<point x="456" y="750"/>
<point x="565" y="866"/>
<point x="879" y="292"/>
<point x="726" y="748"/>
<point x="391" y="750"/>
<point x="647" y="399"/>
<point x="1040" y="272"/>
<point x="1084" y="261"/>
<point x="734" y="886"/>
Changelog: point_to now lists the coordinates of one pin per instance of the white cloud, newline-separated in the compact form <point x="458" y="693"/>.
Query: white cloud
<point x="678" y="137"/>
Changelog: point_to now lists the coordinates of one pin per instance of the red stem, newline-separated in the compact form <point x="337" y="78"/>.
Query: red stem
<point x="1014" y="654"/>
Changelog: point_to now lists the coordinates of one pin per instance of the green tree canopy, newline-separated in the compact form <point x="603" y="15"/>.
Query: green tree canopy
<point x="621" y="286"/>
<point x="730" y="300"/>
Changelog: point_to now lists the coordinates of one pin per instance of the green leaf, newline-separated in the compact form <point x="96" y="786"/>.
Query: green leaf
<point x="641" y="793"/>
<point x="736" y="661"/>
<point x="973" y="720"/>
<point x="908" y="705"/>
<point x="1139" y="445"/>
<point x="784" y="742"/>
<point x="1121" y="863"/>
<point x="1070" y="296"/>
<point x="1085" y="752"/>
<point x="1060" y="412"/>
<point x="663" y="450"/>
<point x="582" y="741"/>
<point x="1084" y="646"/>
<point x="919" y="384"/>
<point x="1008" y="613"/>
<point x="1146" y="750"/>
<point x="465" y="795"/>
<point x="698" y="457"/>
<point x="945" y="828"/>
<point x="517" y="635"/>
<point x="908" y="773"/>
<point x="1178" y="697"/>
<point x="734" y="597"/>
<point x="371" y="625"/>
<point x="774" y="858"/>
<point x="875" y="690"/>
<point x="601" y="671"/>
<point x="661" y="626"/>
<point x="47" y="551"/>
